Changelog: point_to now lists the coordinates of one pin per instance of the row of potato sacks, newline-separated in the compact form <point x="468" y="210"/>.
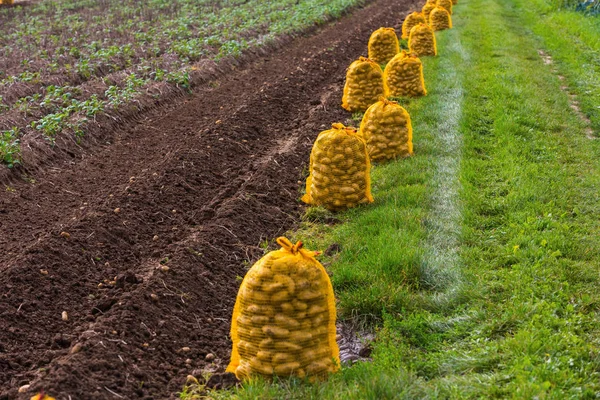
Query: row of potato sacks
<point x="340" y="160"/>
<point x="366" y="82"/>
<point x="284" y="317"/>
<point x="436" y="13"/>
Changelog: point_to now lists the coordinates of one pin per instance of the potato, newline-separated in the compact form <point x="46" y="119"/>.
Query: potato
<point x="305" y="323"/>
<point x="253" y="282"/>
<point x="299" y="315"/>
<point x="264" y="356"/>
<point x="261" y="367"/>
<point x="287" y="368"/>
<point x="285" y="321"/>
<point x="266" y="344"/>
<point x="317" y="367"/>
<point x="243" y="371"/>
<point x="258" y="309"/>
<point x="275" y="332"/>
<point x="347" y="190"/>
<point x="244" y="321"/>
<point x="259" y="320"/>
<point x="247" y="349"/>
<point x="286" y="281"/>
<point x="316" y="309"/>
<point x="309" y="295"/>
<point x="280" y="296"/>
<point x="287" y="346"/>
<point x="271" y="287"/>
<point x="300" y="336"/>
<point x="319" y="320"/>
<point x="244" y="333"/>
<point x="283" y="358"/>
<point x="258" y="296"/>
<point x="287" y="308"/>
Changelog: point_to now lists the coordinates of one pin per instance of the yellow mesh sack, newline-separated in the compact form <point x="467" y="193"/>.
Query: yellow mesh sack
<point x="411" y="20"/>
<point x="340" y="170"/>
<point x="364" y="85"/>
<point x="440" y="19"/>
<point x="283" y="321"/>
<point x="426" y="10"/>
<point x="387" y="130"/>
<point x="383" y="45"/>
<point x="39" y="396"/>
<point x="7" y="2"/>
<point x="404" y="76"/>
<point x="447" y="4"/>
<point x="421" y="41"/>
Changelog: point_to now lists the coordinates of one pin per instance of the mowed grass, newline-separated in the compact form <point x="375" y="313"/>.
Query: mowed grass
<point x="573" y="41"/>
<point x="478" y="263"/>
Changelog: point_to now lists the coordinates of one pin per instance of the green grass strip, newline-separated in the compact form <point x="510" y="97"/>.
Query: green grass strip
<point x="573" y="41"/>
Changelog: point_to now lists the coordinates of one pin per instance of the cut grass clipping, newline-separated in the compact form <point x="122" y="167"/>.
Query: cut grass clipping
<point x="478" y="261"/>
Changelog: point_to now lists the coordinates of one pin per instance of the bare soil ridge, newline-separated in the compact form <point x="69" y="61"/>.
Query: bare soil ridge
<point x="195" y="186"/>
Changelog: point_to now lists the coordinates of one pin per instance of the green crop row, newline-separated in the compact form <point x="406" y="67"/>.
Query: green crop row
<point x="55" y="46"/>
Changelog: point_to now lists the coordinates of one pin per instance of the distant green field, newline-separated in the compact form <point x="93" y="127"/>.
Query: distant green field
<point x="64" y="62"/>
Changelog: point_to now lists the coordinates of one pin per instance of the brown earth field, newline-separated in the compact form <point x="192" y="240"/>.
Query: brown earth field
<point x="143" y="241"/>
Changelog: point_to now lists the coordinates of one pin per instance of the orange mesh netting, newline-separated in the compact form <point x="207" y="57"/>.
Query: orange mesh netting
<point x="387" y="129"/>
<point x="411" y="20"/>
<point x="364" y="85"/>
<point x="421" y="41"/>
<point x="447" y="4"/>
<point x="404" y="76"/>
<point x="440" y="19"/>
<point x="339" y="170"/>
<point x="383" y="45"/>
<point x="283" y="321"/>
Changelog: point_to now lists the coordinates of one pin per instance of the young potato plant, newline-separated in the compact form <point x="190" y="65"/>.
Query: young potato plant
<point x="52" y="52"/>
<point x="9" y="147"/>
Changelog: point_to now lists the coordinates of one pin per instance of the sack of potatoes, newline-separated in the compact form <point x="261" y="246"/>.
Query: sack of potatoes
<point x="421" y="41"/>
<point x="284" y="317"/>
<point x="440" y="19"/>
<point x="411" y="20"/>
<point x="383" y="45"/>
<point x="426" y="10"/>
<point x="339" y="170"/>
<point x="387" y="130"/>
<point x="404" y="76"/>
<point x="364" y="85"/>
<point x="447" y="4"/>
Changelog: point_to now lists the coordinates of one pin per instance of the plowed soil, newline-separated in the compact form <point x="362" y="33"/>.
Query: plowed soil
<point x="144" y="242"/>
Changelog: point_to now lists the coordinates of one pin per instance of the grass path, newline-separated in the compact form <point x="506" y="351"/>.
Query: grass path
<point x="444" y="220"/>
<point x="478" y="262"/>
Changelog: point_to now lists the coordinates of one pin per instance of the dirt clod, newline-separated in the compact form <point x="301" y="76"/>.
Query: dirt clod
<point x="222" y="381"/>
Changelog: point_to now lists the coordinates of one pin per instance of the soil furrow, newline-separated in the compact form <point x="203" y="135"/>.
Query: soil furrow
<point x="175" y="208"/>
